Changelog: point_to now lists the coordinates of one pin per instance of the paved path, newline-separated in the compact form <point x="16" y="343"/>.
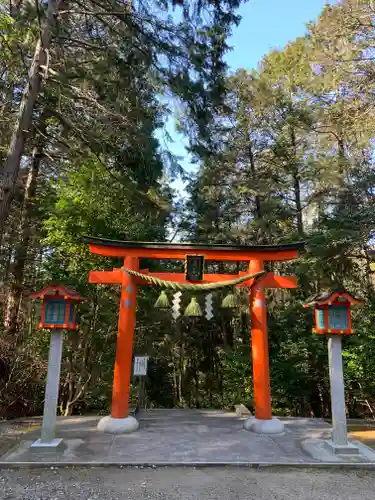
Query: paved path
<point x="186" y="484"/>
<point x="176" y="437"/>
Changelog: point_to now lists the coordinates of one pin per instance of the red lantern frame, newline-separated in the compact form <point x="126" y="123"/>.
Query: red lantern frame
<point x="59" y="293"/>
<point x="325" y="302"/>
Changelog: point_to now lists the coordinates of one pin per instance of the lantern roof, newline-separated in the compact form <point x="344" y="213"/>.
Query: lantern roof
<point x="60" y="291"/>
<point x="333" y="295"/>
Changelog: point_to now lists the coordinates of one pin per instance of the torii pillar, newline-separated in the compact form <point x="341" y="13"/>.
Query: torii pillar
<point x="120" y="422"/>
<point x="263" y="423"/>
<point x="131" y="252"/>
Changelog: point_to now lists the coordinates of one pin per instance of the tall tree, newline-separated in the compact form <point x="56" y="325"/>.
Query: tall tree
<point x="23" y="126"/>
<point x="186" y="57"/>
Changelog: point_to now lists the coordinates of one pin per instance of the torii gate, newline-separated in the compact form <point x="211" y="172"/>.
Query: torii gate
<point x="132" y="252"/>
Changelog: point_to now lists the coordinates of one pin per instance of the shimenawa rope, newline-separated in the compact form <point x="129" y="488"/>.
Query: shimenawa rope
<point x="196" y="287"/>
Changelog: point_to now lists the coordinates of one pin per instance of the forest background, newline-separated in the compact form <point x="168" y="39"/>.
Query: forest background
<point x="283" y="153"/>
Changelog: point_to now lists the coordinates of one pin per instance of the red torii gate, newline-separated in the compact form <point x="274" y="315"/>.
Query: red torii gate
<point x="132" y="252"/>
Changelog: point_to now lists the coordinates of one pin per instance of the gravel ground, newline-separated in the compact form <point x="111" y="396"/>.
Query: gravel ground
<point x="186" y="483"/>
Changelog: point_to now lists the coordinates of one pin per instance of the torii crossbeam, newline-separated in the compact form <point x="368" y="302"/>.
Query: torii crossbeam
<point x="132" y="252"/>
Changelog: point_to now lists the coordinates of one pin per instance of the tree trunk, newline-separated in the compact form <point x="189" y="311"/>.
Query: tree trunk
<point x="297" y="198"/>
<point x="23" y="125"/>
<point x="296" y="184"/>
<point x="68" y="410"/>
<point x="341" y="156"/>
<point x="196" y="380"/>
<point x="15" y="7"/>
<point x="258" y="208"/>
<point x="7" y="254"/>
<point x="11" y="316"/>
<point x="175" y="386"/>
<point x="369" y="273"/>
<point x="181" y="373"/>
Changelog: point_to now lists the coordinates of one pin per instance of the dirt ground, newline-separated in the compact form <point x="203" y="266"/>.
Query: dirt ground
<point x="363" y="431"/>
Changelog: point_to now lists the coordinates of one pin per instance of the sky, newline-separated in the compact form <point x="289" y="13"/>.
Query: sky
<point x="265" y="25"/>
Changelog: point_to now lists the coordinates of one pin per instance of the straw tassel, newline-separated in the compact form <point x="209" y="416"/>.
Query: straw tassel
<point x="193" y="309"/>
<point x="163" y="301"/>
<point x="230" y="301"/>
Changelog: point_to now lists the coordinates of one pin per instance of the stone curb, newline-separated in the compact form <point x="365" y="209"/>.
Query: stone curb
<point x="154" y="465"/>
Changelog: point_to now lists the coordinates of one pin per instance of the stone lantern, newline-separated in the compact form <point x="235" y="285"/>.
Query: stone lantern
<point x="333" y="312"/>
<point x="333" y="320"/>
<point x="58" y="314"/>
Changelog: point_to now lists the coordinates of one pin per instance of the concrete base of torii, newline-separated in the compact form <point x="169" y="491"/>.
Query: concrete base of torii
<point x="271" y="426"/>
<point x="118" y="425"/>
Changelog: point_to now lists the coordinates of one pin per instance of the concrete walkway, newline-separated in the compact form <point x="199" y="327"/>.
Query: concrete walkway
<point x="173" y="437"/>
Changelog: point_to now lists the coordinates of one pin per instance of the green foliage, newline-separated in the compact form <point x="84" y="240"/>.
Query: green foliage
<point x="91" y="163"/>
<point x="295" y="160"/>
<point x="236" y="377"/>
<point x="285" y="152"/>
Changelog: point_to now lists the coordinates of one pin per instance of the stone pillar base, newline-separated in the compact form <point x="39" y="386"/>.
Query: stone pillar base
<point x="55" y="444"/>
<point x="341" y="449"/>
<point x="118" y="425"/>
<point x="272" y="426"/>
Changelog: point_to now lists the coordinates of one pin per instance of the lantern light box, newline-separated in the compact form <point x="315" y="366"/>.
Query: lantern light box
<point x="58" y="307"/>
<point x="333" y="312"/>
